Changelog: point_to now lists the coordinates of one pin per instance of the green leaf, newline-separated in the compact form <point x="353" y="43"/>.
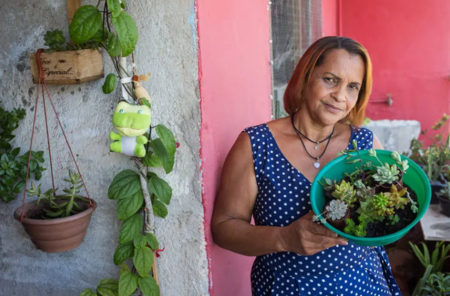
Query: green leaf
<point x="128" y="32"/>
<point x="98" y="36"/>
<point x="114" y="45"/>
<point x="86" y="22"/>
<point x="124" y="267"/>
<point x="152" y="241"/>
<point x="114" y="7"/>
<point x="4" y="158"/>
<point x="131" y="227"/>
<point x="123" y="4"/>
<point x="128" y="283"/>
<point x="130" y="205"/>
<point x="38" y="175"/>
<point x="110" y="84"/>
<point x="161" y="189"/>
<point x="123" y="252"/>
<point x="167" y="138"/>
<point x="88" y="292"/>
<point x="151" y="160"/>
<point x="161" y="152"/>
<point x="108" y="287"/>
<point x="148" y="286"/>
<point x="33" y="165"/>
<point x="140" y="241"/>
<point x="159" y="209"/>
<point x="143" y="260"/>
<point x="124" y="184"/>
<point x="15" y="151"/>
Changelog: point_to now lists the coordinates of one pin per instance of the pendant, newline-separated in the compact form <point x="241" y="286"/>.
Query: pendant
<point x="317" y="145"/>
<point x="317" y="164"/>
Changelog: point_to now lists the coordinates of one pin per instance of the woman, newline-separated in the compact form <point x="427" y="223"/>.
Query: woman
<point x="268" y="174"/>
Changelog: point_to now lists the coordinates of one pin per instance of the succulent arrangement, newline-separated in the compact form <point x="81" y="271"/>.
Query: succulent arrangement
<point x="372" y="200"/>
<point x="60" y="206"/>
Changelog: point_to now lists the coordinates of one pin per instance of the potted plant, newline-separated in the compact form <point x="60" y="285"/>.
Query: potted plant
<point x="12" y="166"/>
<point x="433" y="159"/>
<point x="433" y="281"/>
<point x="66" y="63"/>
<point x="373" y="186"/>
<point x="56" y="223"/>
<point x="444" y="200"/>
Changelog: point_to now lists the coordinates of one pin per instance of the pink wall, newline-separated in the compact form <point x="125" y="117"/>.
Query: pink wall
<point x="330" y="20"/>
<point x="409" y="43"/>
<point x="235" y="88"/>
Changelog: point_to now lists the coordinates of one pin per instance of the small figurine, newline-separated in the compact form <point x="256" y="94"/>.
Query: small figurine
<point x="131" y="123"/>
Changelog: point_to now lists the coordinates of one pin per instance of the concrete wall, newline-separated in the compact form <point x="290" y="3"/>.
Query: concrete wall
<point x="167" y="48"/>
<point x="235" y="93"/>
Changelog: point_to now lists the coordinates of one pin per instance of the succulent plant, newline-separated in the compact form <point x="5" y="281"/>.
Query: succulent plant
<point x="445" y="193"/>
<point x="356" y="230"/>
<point x="386" y="174"/>
<point x="345" y="192"/>
<point x="336" y="210"/>
<point x="381" y="205"/>
<point x="402" y="163"/>
<point x="396" y="198"/>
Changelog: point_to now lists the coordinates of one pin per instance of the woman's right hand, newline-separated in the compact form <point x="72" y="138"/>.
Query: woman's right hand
<point x="307" y="238"/>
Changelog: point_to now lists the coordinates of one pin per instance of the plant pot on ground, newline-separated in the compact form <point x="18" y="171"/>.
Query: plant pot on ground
<point x="444" y="200"/>
<point x="436" y="187"/>
<point x="56" y="223"/>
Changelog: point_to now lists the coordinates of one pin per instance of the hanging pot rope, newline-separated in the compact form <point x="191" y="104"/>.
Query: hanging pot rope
<point x="44" y="86"/>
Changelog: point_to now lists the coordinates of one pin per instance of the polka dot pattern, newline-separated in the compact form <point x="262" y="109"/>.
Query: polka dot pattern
<point x="283" y="197"/>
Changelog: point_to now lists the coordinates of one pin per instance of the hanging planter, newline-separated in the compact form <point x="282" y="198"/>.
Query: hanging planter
<point x="55" y="223"/>
<point x="68" y="67"/>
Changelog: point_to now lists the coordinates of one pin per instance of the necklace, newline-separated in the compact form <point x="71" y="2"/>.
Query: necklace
<point x="315" y="142"/>
<point x="299" y="134"/>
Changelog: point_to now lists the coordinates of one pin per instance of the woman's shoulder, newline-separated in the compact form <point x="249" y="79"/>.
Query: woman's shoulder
<point x="363" y="136"/>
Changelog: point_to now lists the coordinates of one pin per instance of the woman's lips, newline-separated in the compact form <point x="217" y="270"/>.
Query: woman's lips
<point x="332" y="109"/>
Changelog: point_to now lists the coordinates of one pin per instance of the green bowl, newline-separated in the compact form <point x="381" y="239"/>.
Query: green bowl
<point x="415" y="178"/>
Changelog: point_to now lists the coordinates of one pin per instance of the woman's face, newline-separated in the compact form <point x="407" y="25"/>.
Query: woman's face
<point x="334" y="86"/>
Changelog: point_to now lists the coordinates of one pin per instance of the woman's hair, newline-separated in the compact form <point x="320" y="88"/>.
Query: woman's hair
<point x="314" y="57"/>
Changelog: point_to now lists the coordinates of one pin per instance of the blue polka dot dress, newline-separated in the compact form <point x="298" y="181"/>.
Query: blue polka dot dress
<point x="283" y="197"/>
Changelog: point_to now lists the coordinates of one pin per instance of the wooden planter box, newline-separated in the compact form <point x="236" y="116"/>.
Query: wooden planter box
<point x="68" y="67"/>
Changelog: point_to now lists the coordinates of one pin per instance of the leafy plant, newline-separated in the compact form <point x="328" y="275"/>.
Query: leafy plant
<point x="445" y="193"/>
<point x="396" y="198"/>
<point x="60" y="206"/>
<point x="12" y="166"/>
<point x="436" y="259"/>
<point x="356" y="230"/>
<point x="433" y="282"/>
<point x="438" y="284"/>
<point x="112" y="29"/>
<point x="433" y="158"/>
<point x="140" y="195"/>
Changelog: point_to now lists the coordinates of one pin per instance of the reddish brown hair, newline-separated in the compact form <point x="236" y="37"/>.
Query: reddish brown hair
<point x="314" y="57"/>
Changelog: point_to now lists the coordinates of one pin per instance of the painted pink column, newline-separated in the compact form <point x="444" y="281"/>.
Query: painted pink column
<point x="409" y="43"/>
<point x="235" y="88"/>
<point x="330" y="17"/>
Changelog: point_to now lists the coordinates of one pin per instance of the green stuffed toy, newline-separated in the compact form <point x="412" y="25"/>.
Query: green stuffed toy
<point x="131" y="122"/>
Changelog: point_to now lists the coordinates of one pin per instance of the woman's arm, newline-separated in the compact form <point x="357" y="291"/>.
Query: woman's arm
<point x="233" y="209"/>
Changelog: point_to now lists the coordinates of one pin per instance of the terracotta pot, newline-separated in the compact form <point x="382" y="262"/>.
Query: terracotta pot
<point x="55" y="235"/>
<point x="445" y="205"/>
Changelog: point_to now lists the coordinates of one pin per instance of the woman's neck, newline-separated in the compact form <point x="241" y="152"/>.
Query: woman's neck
<point x="310" y="128"/>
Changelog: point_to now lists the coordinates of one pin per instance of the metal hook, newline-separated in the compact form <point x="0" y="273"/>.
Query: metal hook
<point x="389" y="101"/>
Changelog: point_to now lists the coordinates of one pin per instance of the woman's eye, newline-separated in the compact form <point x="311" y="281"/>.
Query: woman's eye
<point x="329" y="79"/>
<point x="354" y="86"/>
